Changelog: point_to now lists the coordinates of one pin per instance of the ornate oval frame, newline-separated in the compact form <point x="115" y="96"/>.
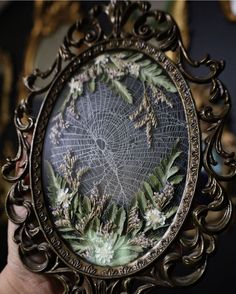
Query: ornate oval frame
<point x="196" y="238"/>
<point x="37" y="150"/>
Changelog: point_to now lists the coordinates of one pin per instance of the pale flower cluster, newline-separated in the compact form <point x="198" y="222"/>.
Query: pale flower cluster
<point x="102" y="59"/>
<point x="101" y="249"/>
<point x="75" y="86"/>
<point x="155" y="218"/>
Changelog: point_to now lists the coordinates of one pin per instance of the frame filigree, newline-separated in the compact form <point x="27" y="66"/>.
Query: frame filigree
<point x="196" y="239"/>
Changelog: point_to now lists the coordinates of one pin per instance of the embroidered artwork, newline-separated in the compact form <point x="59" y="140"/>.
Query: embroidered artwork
<point x="115" y="156"/>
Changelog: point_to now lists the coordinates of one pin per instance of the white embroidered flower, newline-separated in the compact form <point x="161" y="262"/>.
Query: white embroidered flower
<point x="63" y="196"/>
<point x="75" y="86"/>
<point x="103" y="59"/>
<point x="107" y="248"/>
<point x="104" y="253"/>
<point x="155" y="218"/>
<point x="134" y="69"/>
<point x="101" y="250"/>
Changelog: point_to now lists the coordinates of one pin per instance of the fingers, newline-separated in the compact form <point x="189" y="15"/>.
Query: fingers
<point x="13" y="255"/>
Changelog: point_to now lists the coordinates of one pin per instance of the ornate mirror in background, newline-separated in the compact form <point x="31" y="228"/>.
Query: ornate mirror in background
<point x="229" y="9"/>
<point x="117" y="180"/>
<point x="51" y="22"/>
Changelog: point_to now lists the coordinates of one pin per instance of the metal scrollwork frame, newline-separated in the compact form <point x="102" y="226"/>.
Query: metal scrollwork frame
<point x="196" y="239"/>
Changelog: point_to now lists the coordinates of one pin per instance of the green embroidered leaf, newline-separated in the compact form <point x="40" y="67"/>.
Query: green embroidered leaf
<point x="123" y="91"/>
<point x="155" y="182"/>
<point x="66" y="229"/>
<point x="120" y="241"/>
<point x="104" y="78"/>
<point x="79" y="246"/>
<point x="75" y="203"/>
<point x="174" y="155"/>
<point x="166" y="83"/>
<point x="142" y="201"/>
<point x="117" y="64"/>
<point x="171" y="212"/>
<point x="159" y="173"/>
<point x="151" y="73"/>
<point x="79" y="217"/>
<point x="92" y="85"/>
<point x="124" y="259"/>
<point x="149" y="192"/>
<point x="172" y="171"/>
<point x="86" y="205"/>
<point x="99" y="69"/>
<point x="95" y="224"/>
<point x="120" y="220"/>
<point x="71" y="212"/>
<point x="130" y="248"/>
<point x="144" y="62"/>
<point x="153" y="68"/>
<point x="54" y="181"/>
<point x="112" y="212"/>
<point x="71" y="209"/>
<point x="135" y="57"/>
<point x="113" y="65"/>
<point x="142" y="75"/>
<point x="71" y="238"/>
<point x="166" y="171"/>
<point x="125" y="54"/>
<point x="176" y="179"/>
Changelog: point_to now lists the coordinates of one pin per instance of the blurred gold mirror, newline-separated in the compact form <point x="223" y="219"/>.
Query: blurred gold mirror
<point x="229" y="9"/>
<point x="51" y="21"/>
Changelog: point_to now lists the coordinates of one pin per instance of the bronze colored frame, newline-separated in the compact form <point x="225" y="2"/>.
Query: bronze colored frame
<point x="196" y="238"/>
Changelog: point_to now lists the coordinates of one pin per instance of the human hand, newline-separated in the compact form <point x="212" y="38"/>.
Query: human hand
<point x="15" y="277"/>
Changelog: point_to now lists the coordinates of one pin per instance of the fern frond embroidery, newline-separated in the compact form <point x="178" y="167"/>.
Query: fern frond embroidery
<point x="103" y="232"/>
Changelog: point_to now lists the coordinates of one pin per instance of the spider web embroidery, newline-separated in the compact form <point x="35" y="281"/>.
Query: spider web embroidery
<point x="106" y="141"/>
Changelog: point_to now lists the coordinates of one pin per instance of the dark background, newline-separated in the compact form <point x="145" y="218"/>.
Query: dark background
<point x="210" y="32"/>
